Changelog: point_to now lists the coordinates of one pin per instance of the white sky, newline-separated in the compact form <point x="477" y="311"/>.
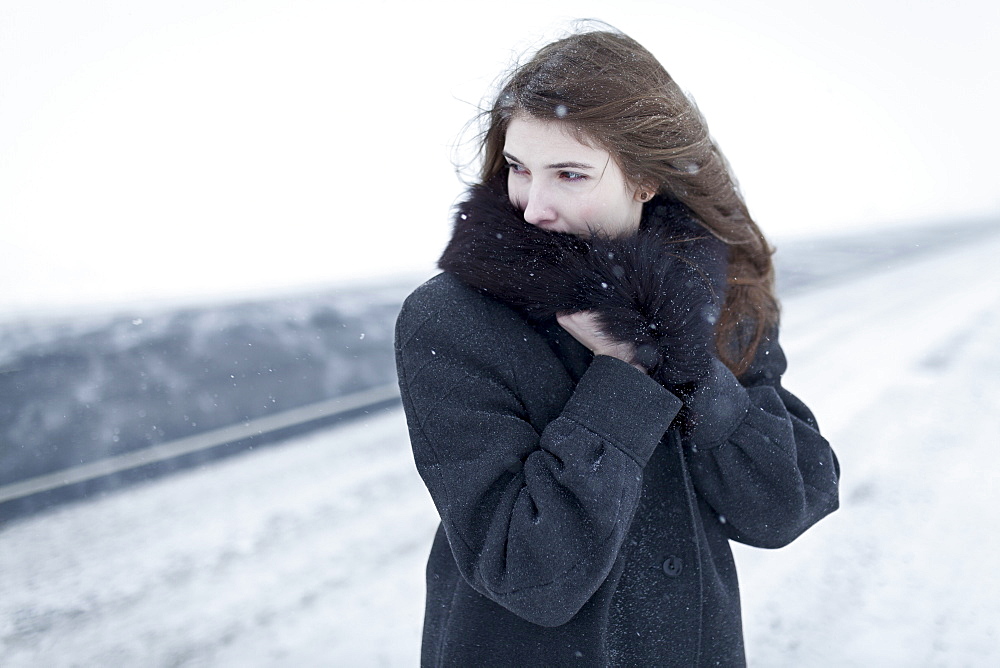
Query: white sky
<point x="198" y="148"/>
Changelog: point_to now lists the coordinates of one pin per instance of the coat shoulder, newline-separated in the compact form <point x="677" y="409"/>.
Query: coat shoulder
<point x="442" y="290"/>
<point x="447" y="300"/>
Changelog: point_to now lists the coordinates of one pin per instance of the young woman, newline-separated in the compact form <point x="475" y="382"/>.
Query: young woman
<point x="593" y="385"/>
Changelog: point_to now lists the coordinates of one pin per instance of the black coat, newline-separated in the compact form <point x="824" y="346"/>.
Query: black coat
<point x="584" y="522"/>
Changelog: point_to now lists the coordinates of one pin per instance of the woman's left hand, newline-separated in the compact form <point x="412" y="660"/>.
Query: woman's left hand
<point x="584" y="327"/>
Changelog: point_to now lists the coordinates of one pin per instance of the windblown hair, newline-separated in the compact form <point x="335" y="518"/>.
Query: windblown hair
<point x="611" y="92"/>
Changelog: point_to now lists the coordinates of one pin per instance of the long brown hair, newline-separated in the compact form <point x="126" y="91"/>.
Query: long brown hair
<point x="612" y="92"/>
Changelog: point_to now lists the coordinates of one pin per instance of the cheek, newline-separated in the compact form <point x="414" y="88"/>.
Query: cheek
<point x="608" y="212"/>
<point x="617" y="202"/>
<point x="593" y="209"/>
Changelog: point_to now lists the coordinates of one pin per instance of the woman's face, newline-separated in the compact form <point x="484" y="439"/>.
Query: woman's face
<point x="565" y="186"/>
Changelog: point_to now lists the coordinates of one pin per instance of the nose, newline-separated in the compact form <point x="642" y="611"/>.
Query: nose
<point x="538" y="208"/>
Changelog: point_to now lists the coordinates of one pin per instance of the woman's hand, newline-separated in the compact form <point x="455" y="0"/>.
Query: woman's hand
<point x="584" y="327"/>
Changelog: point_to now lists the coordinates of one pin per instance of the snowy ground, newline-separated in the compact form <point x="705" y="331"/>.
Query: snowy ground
<point x="311" y="554"/>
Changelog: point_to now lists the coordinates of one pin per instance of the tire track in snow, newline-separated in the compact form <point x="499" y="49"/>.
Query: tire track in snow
<point x="885" y="322"/>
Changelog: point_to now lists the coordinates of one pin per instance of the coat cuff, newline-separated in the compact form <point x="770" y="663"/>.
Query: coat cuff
<point x="716" y="408"/>
<point x="623" y="405"/>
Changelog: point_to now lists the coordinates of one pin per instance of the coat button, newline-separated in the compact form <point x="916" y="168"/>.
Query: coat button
<point x="673" y="566"/>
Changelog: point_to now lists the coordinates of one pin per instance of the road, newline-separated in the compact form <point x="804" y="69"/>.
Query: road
<point x="312" y="554"/>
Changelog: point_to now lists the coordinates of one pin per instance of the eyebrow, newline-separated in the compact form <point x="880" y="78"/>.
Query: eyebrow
<point x="555" y="165"/>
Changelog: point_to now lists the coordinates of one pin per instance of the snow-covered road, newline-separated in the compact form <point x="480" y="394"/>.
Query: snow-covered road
<point x="312" y="553"/>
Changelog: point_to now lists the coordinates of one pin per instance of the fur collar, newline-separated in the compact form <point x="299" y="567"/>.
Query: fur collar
<point x="660" y="288"/>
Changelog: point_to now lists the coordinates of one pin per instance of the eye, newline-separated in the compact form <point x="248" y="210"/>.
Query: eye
<point x="515" y="168"/>
<point x="572" y="176"/>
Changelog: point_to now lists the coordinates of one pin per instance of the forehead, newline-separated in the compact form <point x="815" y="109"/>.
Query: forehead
<point x="532" y="138"/>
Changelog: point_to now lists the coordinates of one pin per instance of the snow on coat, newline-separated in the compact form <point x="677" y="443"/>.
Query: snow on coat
<point x="582" y="523"/>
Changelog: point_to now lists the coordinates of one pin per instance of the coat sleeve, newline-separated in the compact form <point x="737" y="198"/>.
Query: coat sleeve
<point x="535" y="507"/>
<point x="756" y="455"/>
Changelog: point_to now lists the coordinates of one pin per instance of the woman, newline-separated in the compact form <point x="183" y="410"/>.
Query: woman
<point x="593" y="385"/>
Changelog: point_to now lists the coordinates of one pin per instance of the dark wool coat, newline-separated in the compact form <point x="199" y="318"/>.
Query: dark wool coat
<point x="586" y="508"/>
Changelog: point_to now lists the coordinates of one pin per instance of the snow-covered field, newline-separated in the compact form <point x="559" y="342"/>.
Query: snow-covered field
<point x="312" y="553"/>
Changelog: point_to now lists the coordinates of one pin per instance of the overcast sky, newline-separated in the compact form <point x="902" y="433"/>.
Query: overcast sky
<point x="191" y="149"/>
